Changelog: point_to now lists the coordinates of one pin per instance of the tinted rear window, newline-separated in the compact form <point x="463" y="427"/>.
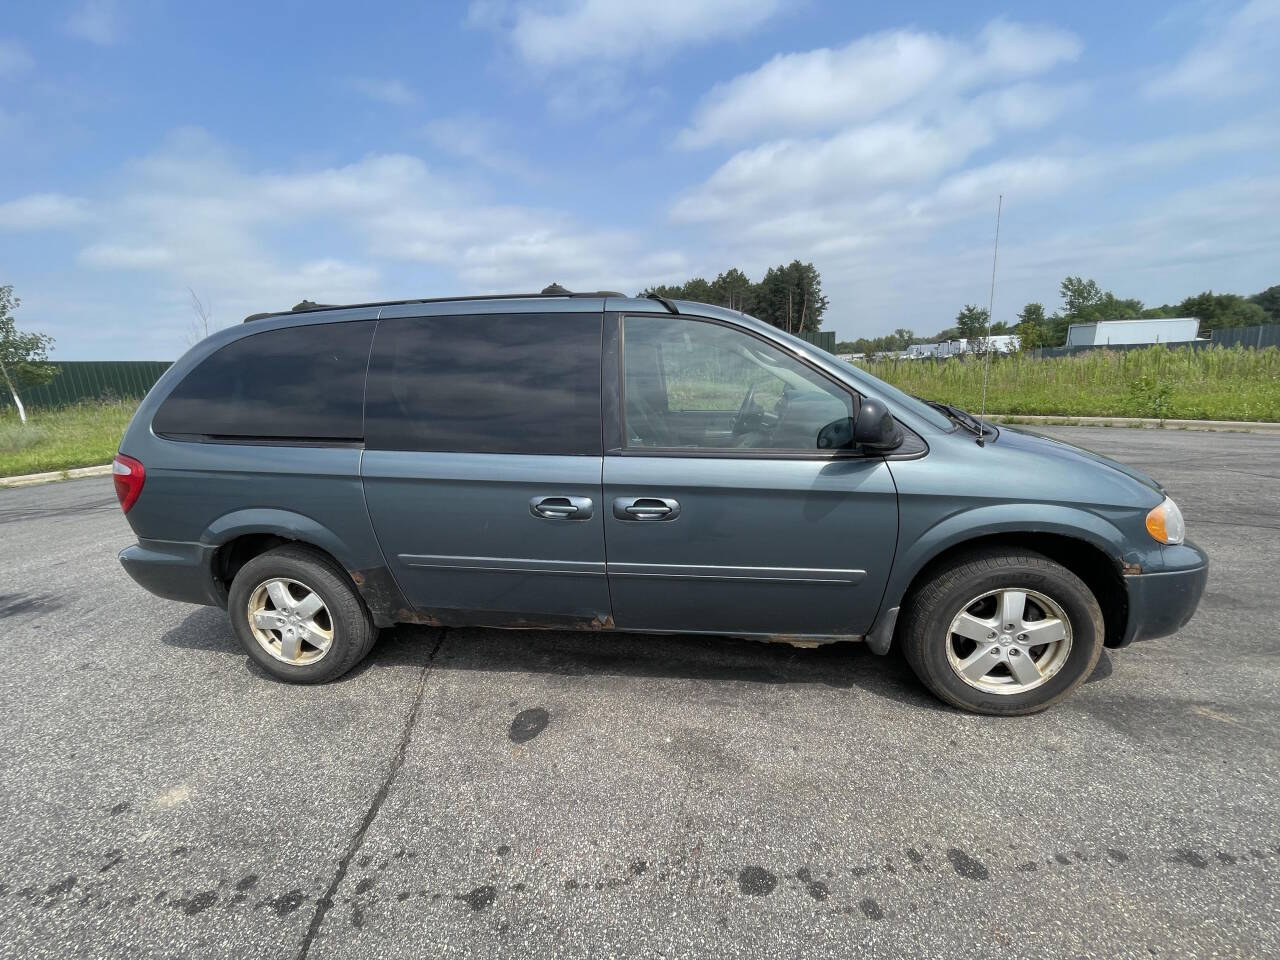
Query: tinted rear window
<point x="299" y="383"/>
<point x="521" y="383"/>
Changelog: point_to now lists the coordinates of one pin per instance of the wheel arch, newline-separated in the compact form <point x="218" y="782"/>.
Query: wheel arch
<point x="1087" y="546"/>
<point x="236" y="538"/>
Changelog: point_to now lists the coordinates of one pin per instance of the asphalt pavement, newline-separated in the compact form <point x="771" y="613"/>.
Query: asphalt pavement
<point x="496" y="793"/>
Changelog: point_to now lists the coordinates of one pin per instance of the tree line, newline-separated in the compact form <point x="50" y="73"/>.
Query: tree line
<point x="789" y="296"/>
<point x="1083" y="301"/>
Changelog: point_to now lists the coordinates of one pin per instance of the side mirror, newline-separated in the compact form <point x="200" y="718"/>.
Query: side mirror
<point x="875" y="430"/>
<point x="836" y="435"/>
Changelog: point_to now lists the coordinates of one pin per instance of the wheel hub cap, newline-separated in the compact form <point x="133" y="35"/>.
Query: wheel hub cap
<point x="1008" y="641"/>
<point x="290" y="621"/>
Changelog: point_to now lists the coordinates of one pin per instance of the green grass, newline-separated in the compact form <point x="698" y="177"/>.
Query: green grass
<point x="79" y="436"/>
<point x="1215" y="383"/>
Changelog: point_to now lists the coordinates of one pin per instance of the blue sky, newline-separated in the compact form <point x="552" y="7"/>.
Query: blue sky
<point x="341" y="152"/>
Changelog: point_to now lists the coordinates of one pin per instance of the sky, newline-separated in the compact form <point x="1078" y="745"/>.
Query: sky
<point x="255" y="155"/>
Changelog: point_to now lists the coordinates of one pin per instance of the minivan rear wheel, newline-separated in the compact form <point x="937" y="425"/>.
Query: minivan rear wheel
<point x="1002" y="632"/>
<point x="298" y="616"/>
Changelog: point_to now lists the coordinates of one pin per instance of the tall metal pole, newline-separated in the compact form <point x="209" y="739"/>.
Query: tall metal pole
<point x="991" y="302"/>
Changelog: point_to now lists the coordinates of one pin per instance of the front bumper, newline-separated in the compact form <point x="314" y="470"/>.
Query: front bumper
<point x="173" y="570"/>
<point x="1161" y="602"/>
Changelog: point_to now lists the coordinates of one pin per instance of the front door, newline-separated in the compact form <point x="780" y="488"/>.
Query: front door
<point x="482" y="466"/>
<point x="721" y="513"/>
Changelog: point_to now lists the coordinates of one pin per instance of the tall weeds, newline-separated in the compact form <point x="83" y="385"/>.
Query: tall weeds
<point x="1216" y="383"/>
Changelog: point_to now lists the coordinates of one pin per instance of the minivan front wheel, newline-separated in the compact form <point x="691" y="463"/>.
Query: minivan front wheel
<point x="1003" y="632"/>
<point x="298" y="616"/>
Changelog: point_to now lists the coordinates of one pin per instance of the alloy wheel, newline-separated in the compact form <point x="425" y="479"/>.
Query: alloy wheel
<point x="1008" y="641"/>
<point x="290" y="621"/>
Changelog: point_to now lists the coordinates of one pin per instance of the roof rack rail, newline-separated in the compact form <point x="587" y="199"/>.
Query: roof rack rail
<point x="665" y="301"/>
<point x="552" y="291"/>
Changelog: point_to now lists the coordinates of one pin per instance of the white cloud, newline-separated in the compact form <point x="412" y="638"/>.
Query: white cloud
<point x="901" y="150"/>
<point x="1007" y="48"/>
<point x="489" y="14"/>
<point x="785" y="174"/>
<point x="250" y="240"/>
<point x="825" y="89"/>
<point x="581" y="31"/>
<point x="478" y="142"/>
<point x="882" y="184"/>
<point x="816" y="90"/>
<point x="97" y="21"/>
<point x="586" y="52"/>
<point x="1236" y="56"/>
<point x="42" y="211"/>
<point x="517" y="248"/>
<point x="122" y="257"/>
<point x="14" y="59"/>
<point x="1034" y="177"/>
<point x="390" y="91"/>
<point x="871" y="144"/>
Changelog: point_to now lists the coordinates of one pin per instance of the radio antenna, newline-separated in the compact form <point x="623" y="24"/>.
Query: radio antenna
<point x="991" y="302"/>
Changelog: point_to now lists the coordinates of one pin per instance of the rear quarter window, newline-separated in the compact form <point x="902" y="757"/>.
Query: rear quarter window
<point x="490" y="383"/>
<point x="301" y="383"/>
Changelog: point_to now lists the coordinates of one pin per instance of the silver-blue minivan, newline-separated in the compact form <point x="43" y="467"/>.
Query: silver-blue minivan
<point x="592" y="461"/>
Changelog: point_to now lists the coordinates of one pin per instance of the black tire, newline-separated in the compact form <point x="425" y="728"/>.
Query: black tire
<point x="353" y="629"/>
<point x="945" y="593"/>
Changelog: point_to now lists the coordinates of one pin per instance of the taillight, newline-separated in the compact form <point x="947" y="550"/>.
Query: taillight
<point x="129" y="476"/>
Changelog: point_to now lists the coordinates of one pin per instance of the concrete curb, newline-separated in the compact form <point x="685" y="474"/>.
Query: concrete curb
<point x="1231" y="426"/>
<point x="75" y="473"/>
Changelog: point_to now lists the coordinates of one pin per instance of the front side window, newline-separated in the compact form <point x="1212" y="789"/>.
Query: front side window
<point x="691" y="384"/>
<point x="486" y="383"/>
<point x="303" y="383"/>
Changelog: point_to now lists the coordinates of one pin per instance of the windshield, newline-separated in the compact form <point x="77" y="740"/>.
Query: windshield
<point x="888" y="391"/>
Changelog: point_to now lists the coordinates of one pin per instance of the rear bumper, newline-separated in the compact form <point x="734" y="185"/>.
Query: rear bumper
<point x="1161" y="602"/>
<point x="175" y="571"/>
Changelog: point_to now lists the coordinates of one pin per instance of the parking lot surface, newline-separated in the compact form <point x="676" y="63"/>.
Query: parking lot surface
<point x="514" y="793"/>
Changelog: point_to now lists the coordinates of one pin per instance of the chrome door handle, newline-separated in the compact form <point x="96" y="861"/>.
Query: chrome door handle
<point x="645" y="508"/>
<point x="561" y="508"/>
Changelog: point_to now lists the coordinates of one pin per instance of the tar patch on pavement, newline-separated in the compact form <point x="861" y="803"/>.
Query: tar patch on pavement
<point x="528" y="724"/>
<point x="756" y="881"/>
<point x="478" y="899"/>
<point x="966" y="866"/>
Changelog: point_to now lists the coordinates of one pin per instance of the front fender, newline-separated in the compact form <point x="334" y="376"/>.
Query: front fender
<point x="925" y="539"/>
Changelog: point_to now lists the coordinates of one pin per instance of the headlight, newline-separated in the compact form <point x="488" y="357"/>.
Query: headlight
<point x="1164" y="522"/>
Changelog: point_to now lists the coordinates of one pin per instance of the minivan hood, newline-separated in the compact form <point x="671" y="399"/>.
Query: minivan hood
<point x="1033" y="442"/>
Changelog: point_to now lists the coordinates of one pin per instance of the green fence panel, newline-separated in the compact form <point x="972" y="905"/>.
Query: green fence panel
<point x="1267" y="335"/>
<point x="823" y="339"/>
<point x="89" y="381"/>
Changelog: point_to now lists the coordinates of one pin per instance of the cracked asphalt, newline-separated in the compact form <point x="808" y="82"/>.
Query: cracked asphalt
<point x="489" y="793"/>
